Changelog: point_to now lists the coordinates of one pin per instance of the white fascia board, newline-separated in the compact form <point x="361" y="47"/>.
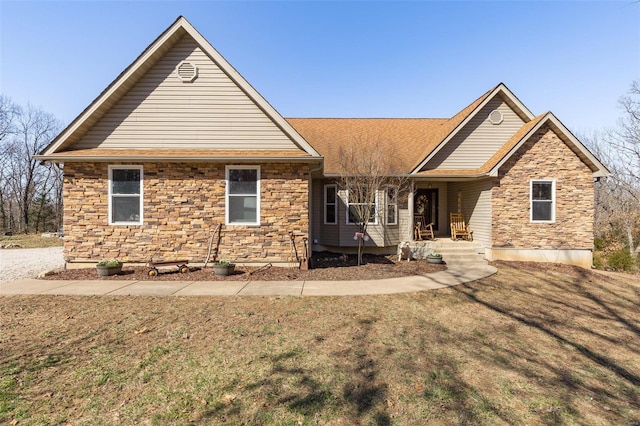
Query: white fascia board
<point x="182" y="159"/>
<point x="500" y="88"/>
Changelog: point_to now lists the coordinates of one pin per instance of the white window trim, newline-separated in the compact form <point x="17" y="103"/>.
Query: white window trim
<point x="335" y="204"/>
<point x="394" y="204"/>
<point x="226" y="196"/>
<point x="375" y="215"/>
<point x="110" y="178"/>
<point x="553" y="200"/>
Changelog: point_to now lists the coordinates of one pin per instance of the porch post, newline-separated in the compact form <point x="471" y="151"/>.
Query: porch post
<point x="410" y="206"/>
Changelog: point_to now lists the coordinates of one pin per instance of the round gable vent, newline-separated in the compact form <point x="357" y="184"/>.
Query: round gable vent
<point x="496" y="117"/>
<point x="186" y="71"/>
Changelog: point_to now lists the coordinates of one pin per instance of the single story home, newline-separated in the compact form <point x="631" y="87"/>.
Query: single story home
<point x="180" y="143"/>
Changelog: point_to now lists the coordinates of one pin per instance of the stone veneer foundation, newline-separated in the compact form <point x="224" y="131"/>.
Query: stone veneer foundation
<point x="183" y="203"/>
<point x="570" y="238"/>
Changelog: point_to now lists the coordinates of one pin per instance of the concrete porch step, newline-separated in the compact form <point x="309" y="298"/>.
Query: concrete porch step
<point x="456" y="253"/>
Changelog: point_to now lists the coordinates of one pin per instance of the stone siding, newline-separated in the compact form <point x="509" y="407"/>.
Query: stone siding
<point x="183" y="203"/>
<point x="543" y="156"/>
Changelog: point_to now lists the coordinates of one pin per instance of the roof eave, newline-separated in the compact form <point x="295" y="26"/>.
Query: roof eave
<point x="450" y="176"/>
<point x="61" y="158"/>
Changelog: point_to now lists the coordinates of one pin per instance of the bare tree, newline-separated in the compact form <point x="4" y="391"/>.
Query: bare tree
<point x="618" y="198"/>
<point x="26" y="186"/>
<point x="8" y="112"/>
<point x="369" y="169"/>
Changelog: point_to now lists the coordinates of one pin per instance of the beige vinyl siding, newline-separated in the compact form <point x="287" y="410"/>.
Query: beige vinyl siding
<point x="478" y="140"/>
<point x="404" y="227"/>
<point x="328" y="235"/>
<point x="162" y="111"/>
<point x="476" y="207"/>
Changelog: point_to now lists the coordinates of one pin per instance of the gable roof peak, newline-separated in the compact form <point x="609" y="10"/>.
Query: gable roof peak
<point x="128" y="78"/>
<point x="459" y="120"/>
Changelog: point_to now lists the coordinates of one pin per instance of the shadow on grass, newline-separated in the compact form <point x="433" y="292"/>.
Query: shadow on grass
<point x="576" y="292"/>
<point x="307" y="394"/>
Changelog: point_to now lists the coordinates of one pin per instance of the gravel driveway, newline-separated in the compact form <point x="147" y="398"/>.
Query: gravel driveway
<point x="28" y="263"/>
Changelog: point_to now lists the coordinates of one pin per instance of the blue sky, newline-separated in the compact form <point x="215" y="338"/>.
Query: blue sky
<point x="342" y="59"/>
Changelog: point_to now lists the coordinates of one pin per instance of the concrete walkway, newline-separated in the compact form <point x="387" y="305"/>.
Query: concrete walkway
<point x="450" y="277"/>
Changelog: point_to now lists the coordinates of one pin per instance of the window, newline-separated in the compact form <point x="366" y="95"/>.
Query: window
<point x="543" y="201"/>
<point x="330" y="204"/>
<point x="354" y="206"/>
<point x="392" y="206"/>
<point x="125" y="195"/>
<point x="243" y="195"/>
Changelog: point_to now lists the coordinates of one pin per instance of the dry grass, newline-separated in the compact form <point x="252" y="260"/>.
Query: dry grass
<point x="534" y="344"/>
<point x="30" y="241"/>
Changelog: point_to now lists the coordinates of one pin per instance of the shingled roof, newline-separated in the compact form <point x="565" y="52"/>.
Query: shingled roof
<point x="411" y="140"/>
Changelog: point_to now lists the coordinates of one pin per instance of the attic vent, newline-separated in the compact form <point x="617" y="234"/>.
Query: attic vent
<point x="186" y="71"/>
<point x="496" y="117"/>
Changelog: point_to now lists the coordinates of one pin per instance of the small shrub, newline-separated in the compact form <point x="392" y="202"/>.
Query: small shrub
<point x="598" y="261"/>
<point x="109" y="262"/>
<point x="621" y="260"/>
<point x="599" y="243"/>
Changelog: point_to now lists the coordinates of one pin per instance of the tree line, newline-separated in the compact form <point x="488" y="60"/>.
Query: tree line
<point x="617" y="216"/>
<point x="30" y="192"/>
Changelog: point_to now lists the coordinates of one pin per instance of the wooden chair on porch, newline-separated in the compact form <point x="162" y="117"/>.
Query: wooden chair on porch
<point x="459" y="229"/>
<point x="421" y="230"/>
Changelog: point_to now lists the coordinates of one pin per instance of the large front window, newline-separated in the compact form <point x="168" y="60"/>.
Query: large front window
<point x="125" y="195"/>
<point x="243" y="195"/>
<point x="543" y="201"/>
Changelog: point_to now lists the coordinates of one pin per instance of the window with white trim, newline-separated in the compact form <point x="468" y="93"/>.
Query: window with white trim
<point x="330" y="204"/>
<point x="358" y="204"/>
<point x="392" y="206"/>
<point x="242" y="195"/>
<point x="543" y="200"/>
<point x="125" y="195"/>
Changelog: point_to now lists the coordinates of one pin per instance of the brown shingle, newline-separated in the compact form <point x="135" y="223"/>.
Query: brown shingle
<point x="405" y="137"/>
<point x="410" y="139"/>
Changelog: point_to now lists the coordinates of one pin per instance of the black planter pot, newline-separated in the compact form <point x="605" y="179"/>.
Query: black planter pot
<point x="105" y="271"/>
<point x="224" y="270"/>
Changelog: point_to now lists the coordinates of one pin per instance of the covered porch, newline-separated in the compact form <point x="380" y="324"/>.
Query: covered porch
<point x="432" y="202"/>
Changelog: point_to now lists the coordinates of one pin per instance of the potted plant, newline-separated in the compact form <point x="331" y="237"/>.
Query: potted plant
<point x="434" y="257"/>
<point x="223" y="267"/>
<point x="109" y="267"/>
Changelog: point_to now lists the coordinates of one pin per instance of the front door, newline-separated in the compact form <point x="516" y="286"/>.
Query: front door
<point x="425" y="205"/>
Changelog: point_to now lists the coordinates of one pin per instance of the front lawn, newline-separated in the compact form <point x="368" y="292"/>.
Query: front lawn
<point x="533" y="344"/>
<point x="29" y="241"/>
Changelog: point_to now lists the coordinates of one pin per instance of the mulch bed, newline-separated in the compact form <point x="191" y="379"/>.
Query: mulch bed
<point x="326" y="267"/>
